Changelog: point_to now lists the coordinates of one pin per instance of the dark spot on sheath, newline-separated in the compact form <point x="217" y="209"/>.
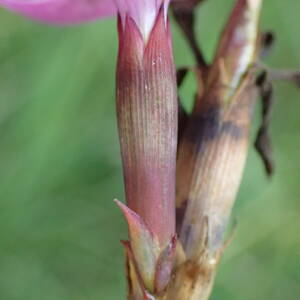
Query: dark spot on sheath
<point x="233" y="129"/>
<point x="209" y="125"/>
<point x="196" y="271"/>
<point x="204" y="126"/>
<point x="217" y="236"/>
<point x="186" y="236"/>
<point x="193" y="270"/>
<point x="180" y="213"/>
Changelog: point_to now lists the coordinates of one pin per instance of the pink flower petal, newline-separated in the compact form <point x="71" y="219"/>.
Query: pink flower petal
<point x="143" y="12"/>
<point x="62" y="11"/>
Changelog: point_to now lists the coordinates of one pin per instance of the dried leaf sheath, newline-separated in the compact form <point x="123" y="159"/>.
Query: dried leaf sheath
<point x="213" y="161"/>
<point x="212" y="153"/>
<point x="216" y="160"/>
<point x="213" y="149"/>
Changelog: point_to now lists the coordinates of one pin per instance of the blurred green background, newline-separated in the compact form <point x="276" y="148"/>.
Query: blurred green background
<point x="60" y="165"/>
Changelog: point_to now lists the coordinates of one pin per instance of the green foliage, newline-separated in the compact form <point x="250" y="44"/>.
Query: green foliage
<point x="60" y="165"/>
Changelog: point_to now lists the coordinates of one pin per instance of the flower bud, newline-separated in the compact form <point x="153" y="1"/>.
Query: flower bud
<point x="147" y="122"/>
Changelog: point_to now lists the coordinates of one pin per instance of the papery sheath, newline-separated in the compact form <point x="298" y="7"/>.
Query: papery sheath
<point x="213" y="150"/>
